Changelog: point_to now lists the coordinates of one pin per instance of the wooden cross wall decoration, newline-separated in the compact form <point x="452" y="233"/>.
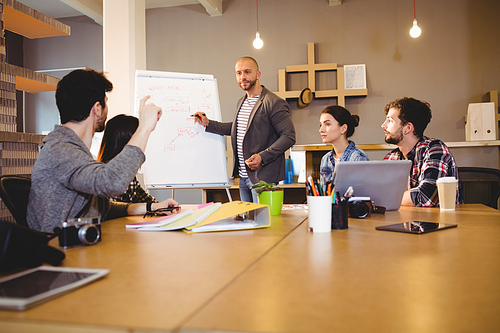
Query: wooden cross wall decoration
<point x="311" y="68"/>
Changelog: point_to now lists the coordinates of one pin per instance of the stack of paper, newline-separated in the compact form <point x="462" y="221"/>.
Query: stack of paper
<point x="234" y="215"/>
<point x="160" y="221"/>
<point x="193" y="218"/>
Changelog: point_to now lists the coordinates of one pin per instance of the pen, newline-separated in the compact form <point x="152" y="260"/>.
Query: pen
<point x="318" y="193"/>
<point x="309" y="189"/>
<point x="198" y="116"/>
<point x="320" y="189"/>
<point x="337" y="197"/>
<point x="311" y="181"/>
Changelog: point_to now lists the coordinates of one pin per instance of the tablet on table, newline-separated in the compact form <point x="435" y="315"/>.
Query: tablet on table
<point x="29" y="288"/>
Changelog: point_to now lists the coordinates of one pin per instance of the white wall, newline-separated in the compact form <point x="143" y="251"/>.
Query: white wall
<point x="452" y="64"/>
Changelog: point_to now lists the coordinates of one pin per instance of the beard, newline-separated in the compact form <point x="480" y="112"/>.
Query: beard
<point x="250" y="86"/>
<point x="101" y="124"/>
<point x="394" y="139"/>
<point x="100" y="128"/>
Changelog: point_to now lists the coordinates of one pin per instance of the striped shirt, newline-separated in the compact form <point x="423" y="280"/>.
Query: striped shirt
<point x="431" y="159"/>
<point x="241" y="129"/>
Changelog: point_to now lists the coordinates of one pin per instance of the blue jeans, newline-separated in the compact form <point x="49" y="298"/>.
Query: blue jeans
<point x="247" y="194"/>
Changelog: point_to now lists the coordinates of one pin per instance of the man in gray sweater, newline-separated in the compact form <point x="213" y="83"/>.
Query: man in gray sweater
<point x="67" y="182"/>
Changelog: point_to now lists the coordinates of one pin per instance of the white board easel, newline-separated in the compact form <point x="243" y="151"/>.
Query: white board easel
<point x="179" y="153"/>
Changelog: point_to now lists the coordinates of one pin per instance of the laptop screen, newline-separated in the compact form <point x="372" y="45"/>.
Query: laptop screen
<point x="383" y="181"/>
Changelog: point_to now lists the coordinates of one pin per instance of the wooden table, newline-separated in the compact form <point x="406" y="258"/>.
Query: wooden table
<point x="287" y="279"/>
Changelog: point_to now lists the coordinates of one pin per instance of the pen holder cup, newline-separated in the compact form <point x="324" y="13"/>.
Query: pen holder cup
<point x="340" y="213"/>
<point x="320" y="213"/>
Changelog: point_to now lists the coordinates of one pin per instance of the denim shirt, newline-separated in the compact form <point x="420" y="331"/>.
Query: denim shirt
<point x="351" y="153"/>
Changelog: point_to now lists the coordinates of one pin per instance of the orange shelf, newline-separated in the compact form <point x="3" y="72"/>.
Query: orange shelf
<point x="28" y="80"/>
<point x="30" y="23"/>
<point x="33" y="86"/>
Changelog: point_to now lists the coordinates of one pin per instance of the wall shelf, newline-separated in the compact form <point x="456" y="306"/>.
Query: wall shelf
<point x="386" y="146"/>
<point x="27" y="22"/>
<point x="314" y="152"/>
<point x="28" y="80"/>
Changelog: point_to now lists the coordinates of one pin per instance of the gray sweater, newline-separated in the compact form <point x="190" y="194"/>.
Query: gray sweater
<point x="66" y="176"/>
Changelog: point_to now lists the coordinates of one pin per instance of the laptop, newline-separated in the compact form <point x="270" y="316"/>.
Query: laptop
<point x="383" y="181"/>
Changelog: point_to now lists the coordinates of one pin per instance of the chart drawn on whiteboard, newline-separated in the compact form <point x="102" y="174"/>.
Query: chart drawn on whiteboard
<point x="179" y="152"/>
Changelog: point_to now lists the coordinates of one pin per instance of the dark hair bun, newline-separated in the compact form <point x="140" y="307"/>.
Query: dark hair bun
<point x="355" y="119"/>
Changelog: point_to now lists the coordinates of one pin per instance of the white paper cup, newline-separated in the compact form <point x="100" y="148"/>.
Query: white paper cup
<point x="447" y="191"/>
<point x="320" y="213"/>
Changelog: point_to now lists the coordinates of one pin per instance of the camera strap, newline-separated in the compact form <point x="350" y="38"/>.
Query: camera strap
<point x="378" y="209"/>
<point x="85" y="208"/>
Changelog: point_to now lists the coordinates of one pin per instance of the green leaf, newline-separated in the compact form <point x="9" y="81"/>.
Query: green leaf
<point x="263" y="186"/>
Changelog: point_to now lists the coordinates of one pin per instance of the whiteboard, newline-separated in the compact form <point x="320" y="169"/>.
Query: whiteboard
<point x="179" y="152"/>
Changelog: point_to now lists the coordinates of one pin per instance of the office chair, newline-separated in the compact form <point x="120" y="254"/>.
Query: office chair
<point x="14" y="191"/>
<point x="480" y="185"/>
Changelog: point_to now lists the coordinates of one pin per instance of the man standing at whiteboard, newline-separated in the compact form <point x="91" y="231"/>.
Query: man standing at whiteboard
<point x="261" y="132"/>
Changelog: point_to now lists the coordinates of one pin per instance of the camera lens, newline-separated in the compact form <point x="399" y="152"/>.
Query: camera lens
<point x="359" y="209"/>
<point x="89" y="234"/>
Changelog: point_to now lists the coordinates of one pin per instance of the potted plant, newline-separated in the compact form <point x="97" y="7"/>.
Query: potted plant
<point x="270" y="195"/>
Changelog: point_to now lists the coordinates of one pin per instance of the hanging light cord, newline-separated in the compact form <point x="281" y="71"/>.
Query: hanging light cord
<point x="414" y="14"/>
<point x="257" y="2"/>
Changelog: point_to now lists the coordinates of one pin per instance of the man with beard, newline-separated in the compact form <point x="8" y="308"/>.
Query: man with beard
<point x="262" y="130"/>
<point x="404" y="126"/>
<point x="67" y="182"/>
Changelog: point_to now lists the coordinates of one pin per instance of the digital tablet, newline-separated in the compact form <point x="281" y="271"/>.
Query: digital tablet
<point x="31" y="287"/>
<point x="416" y="227"/>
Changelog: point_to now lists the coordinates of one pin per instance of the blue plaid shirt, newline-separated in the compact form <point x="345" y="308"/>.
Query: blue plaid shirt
<point x="351" y="153"/>
<point x="431" y="159"/>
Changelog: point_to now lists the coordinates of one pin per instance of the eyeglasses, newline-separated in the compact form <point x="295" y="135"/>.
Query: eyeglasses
<point x="162" y="211"/>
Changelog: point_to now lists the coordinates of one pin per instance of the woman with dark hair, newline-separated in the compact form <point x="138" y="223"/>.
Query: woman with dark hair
<point x="336" y="124"/>
<point x="117" y="134"/>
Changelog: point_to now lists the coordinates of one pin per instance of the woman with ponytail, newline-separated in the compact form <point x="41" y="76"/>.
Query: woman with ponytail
<point x="336" y="125"/>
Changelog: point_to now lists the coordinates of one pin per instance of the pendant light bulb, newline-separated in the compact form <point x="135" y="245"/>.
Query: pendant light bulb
<point x="415" y="30"/>
<point x="258" y="43"/>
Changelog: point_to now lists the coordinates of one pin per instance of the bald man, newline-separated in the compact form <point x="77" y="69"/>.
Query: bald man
<point x="261" y="131"/>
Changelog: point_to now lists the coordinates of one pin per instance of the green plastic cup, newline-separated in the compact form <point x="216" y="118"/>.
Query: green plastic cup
<point x="273" y="199"/>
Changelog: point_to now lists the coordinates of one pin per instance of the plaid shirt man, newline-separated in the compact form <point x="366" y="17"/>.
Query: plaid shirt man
<point x="431" y="159"/>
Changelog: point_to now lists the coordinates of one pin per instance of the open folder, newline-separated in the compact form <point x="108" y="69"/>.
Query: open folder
<point x="236" y="215"/>
<point x="178" y="221"/>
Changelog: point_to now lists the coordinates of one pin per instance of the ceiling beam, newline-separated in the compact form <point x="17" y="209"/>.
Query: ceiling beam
<point x="213" y="7"/>
<point x="90" y="8"/>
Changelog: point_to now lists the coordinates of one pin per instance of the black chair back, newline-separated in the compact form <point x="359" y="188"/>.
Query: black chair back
<point x="14" y="191"/>
<point x="480" y="185"/>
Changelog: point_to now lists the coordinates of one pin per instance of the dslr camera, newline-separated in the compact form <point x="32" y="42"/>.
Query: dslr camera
<point x="80" y="231"/>
<point x="359" y="207"/>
